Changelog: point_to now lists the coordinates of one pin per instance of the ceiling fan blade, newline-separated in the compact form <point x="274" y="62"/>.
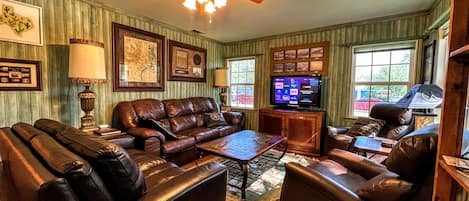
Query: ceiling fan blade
<point x="257" y="1"/>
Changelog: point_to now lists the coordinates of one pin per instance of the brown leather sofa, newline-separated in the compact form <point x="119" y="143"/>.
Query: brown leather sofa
<point x="55" y="162"/>
<point x="184" y="117"/>
<point x="406" y="176"/>
<point x="398" y="124"/>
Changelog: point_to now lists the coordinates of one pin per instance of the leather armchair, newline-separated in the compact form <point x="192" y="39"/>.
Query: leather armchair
<point x="398" y="124"/>
<point x="344" y="176"/>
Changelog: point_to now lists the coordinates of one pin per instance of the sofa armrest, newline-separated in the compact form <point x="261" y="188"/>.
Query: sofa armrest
<point x="193" y="185"/>
<point x="234" y="118"/>
<point x="125" y="141"/>
<point x="357" y="163"/>
<point x="145" y="133"/>
<point x="302" y="184"/>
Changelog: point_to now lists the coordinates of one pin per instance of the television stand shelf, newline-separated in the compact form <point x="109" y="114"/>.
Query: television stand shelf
<point x="303" y="130"/>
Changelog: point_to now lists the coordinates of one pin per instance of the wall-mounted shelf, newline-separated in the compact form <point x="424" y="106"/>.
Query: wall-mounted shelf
<point x="457" y="176"/>
<point x="461" y="54"/>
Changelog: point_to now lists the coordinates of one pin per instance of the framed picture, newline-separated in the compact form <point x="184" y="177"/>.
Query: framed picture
<point x="18" y="74"/>
<point x="279" y="55"/>
<point x="428" y="63"/>
<point x="317" y="52"/>
<point x="138" y="59"/>
<point x="278" y="68"/>
<point x="315" y="66"/>
<point x="187" y="62"/>
<point x="21" y="23"/>
<point x="302" y="66"/>
<point x="290" y="54"/>
<point x="303" y="53"/>
<point x="290" y="67"/>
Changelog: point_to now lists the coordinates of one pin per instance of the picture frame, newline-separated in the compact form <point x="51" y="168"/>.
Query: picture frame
<point x="317" y="52"/>
<point x="290" y="54"/>
<point x="428" y="63"/>
<point x="187" y="62"/>
<point x="138" y="59"/>
<point x="302" y="66"/>
<point x="290" y="67"/>
<point x="278" y="68"/>
<point x="28" y="26"/>
<point x="17" y="74"/>
<point x="279" y="55"/>
<point x="303" y="53"/>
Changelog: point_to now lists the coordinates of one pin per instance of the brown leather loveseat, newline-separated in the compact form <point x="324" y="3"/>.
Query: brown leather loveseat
<point x="54" y="162"/>
<point x="406" y="176"/>
<point x="183" y="117"/>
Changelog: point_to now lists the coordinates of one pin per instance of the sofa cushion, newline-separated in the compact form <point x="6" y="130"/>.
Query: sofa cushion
<point x="119" y="172"/>
<point x="178" y="107"/>
<point x="201" y="134"/>
<point x="339" y="174"/>
<point x="157" y="125"/>
<point x="149" y="108"/>
<point x="204" y="105"/>
<point x="176" y="146"/>
<point x="78" y="172"/>
<point x="226" y="130"/>
<point x="214" y="119"/>
<point x="385" y="187"/>
<point x="366" y="127"/>
<point x="181" y="123"/>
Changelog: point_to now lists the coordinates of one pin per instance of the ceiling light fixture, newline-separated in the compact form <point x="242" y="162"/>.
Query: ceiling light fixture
<point x="206" y="6"/>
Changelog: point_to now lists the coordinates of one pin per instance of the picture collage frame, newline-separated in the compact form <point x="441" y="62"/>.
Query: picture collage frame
<point x="300" y="59"/>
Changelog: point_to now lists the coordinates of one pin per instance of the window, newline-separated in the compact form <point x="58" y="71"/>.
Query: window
<point x="381" y="73"/>
<point x="242" y="78"/>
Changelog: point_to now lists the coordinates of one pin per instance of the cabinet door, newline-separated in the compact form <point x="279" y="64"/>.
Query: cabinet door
<point x="304" y="133"/>
<point x="271" y="123"/>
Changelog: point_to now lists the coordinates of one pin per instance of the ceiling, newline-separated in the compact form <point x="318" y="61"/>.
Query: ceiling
<point x="242" y="19"/>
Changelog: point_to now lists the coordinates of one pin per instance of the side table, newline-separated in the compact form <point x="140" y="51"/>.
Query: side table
<point x="364" y="144"/>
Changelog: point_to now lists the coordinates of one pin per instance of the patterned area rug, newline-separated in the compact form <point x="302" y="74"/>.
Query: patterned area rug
<point x="265" y="175"/>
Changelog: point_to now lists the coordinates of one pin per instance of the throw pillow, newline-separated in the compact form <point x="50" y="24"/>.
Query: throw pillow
<point x="214" y="119"/>
<point x="385" y="187"/>
<point x="366" y="126"/>
<point x="159" y="126"/>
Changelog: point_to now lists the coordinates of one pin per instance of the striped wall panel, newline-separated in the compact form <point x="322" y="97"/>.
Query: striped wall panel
<point x="342" y="37"/>
<point x="65" y="19"/>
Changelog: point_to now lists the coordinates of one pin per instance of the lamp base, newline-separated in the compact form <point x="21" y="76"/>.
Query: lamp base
<point x="88" y="124"/>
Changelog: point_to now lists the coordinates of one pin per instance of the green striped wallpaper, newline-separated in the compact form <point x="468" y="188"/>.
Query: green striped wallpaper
<point x="65" y="19"/>
<point x="341" y="37"/>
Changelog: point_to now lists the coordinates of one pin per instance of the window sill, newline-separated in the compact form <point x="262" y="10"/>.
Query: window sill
<point x="243" y="108"/>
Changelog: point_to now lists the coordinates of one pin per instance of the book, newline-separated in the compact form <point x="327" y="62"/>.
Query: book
<point x="107" y="131"/>
<point x="456" y="162"/>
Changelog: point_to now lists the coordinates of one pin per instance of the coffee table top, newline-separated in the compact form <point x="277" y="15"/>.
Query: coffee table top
<point x="242" y="146"/>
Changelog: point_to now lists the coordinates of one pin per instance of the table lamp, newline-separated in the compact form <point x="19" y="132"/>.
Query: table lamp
<point x="422" y="99"/>
<point x="87" y="66"/>
<point x="221" y="81"/>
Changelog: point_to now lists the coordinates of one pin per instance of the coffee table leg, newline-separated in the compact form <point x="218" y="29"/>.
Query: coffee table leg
<point x="285" y="144"/>
<point x="244" y="168"/>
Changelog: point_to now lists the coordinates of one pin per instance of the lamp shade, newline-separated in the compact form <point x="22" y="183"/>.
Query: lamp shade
<point x="422" y="96"/>
<point x="221" y="78"/>
<point x="86" y="62"/>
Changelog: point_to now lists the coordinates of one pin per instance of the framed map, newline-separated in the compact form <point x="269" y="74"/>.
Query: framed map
<point x="138" y="59"/>
<point x="187" y="62"/>
<point x="21" y="23"/>
<point x="18" y="74"/>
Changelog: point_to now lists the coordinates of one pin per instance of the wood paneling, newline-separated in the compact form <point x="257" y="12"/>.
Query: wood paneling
<point x="337" y="85"/>
<point x="65" y="19"/>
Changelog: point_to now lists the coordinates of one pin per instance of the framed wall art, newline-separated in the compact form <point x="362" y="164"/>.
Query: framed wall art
<point x="18" y="74"/>
<point x="138" y="59"/>
<point x="186" y="62"/>
<point x="21" y="23"/>
<point x="300" y="59"/>
<point x="428" y="63"/>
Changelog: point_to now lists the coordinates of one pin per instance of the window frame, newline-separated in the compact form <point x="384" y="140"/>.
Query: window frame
<point x="242" y="84"/>
<point x="412" y="71"/>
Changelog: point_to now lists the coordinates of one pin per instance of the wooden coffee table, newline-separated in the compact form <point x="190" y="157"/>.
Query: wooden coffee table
<point x="243" y="147"/>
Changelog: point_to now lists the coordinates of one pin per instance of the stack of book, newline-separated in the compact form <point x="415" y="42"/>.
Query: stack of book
<point x="108" y="132"/>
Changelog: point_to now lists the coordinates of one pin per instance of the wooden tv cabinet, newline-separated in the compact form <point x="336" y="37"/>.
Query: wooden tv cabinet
<point x="303" y="130"/>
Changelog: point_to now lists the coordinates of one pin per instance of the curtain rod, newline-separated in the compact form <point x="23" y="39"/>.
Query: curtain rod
<point x="384" y="41"/>
<point x="241" y="56"/>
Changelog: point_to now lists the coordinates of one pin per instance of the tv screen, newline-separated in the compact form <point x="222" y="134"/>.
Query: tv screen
<point x="296" y="90"/>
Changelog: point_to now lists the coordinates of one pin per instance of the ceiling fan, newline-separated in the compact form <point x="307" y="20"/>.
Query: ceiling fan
<point x="257" y="1"/>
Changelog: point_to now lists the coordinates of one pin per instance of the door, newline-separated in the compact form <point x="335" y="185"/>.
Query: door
<point x="304" y="133"/>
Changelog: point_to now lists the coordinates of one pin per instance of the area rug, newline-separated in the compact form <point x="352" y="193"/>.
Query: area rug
<point x="265" y="175"/>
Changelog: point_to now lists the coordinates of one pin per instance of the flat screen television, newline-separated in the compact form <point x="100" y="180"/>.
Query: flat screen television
<point x="296" y="91"/>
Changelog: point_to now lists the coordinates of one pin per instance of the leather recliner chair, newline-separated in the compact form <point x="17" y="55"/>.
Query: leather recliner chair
<point x="398" y="124"/>
<point x="407" y="174"/>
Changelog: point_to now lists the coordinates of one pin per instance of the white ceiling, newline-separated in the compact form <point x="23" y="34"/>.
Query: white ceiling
<point x="242" y="19"/>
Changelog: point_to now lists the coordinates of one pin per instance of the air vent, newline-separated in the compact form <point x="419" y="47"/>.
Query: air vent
<point x="197" y="31"/>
